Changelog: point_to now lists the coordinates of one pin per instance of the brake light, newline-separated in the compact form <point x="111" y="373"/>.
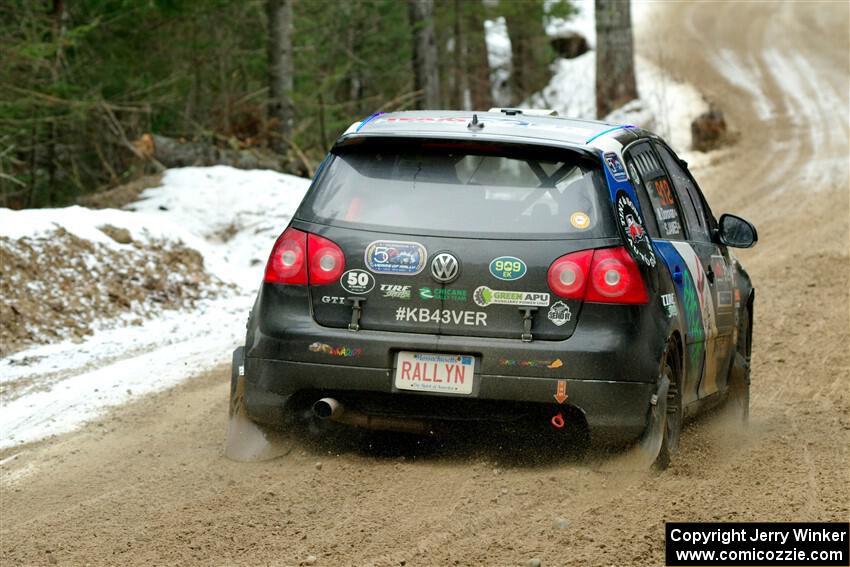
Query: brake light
<point x="327" y="262"/>
<point x="615" y="278"/>
<point x="604" y="275"/>
<point x="568" y="274"/>
<point x="298" y="257"/>
<point x="287" y="262"/>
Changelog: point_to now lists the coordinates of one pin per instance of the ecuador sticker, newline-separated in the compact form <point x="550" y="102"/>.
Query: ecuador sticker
<point x="637" y="240"/>
<point x="579" y="220"/>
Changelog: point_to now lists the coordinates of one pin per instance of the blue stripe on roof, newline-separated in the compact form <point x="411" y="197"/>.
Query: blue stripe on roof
<point x="362" y="124"/>
<point x="608" y="131"/>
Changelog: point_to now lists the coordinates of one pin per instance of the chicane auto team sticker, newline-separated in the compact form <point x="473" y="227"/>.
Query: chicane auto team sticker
<point x="390" y="257"/>
<point x="358" y="282"/>
<point x="507" y="268"/>
<point x="484" y="296"/>
<point x="636" y="237"/>
<point x="440" y="293"/>
<point x="615" y="166"/>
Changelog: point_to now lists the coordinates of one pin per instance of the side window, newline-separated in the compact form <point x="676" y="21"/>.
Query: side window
<point x="645" y="205"/>
<point x="689" y="196"/>
<point x="655" y="185"/>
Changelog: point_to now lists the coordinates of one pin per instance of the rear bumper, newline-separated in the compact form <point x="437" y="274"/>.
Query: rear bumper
<point x="615" y="411"/>
<point x="609" y="364"/>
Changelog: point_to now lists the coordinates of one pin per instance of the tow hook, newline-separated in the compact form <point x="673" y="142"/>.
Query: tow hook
<point x="527" y="320"/>
<point x="558" y="421"/>
<point x="356" y="311"/>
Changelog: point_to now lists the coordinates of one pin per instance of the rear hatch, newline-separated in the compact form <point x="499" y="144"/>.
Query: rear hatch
<point x="455" y="237"/>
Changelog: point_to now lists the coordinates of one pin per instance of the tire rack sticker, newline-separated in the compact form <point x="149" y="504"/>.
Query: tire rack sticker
<point x="668" y="301"/>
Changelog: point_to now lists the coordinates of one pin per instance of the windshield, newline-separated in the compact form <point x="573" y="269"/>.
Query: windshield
<point x="495" y="190"/>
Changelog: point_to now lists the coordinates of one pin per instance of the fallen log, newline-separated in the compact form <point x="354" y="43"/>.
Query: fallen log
<point x="176" y="153"/>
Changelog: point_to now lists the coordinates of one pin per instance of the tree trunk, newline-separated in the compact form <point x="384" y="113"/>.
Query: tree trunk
<point x="174" y="153"/>
<point x="461" y="60"/>
<point x="280" y="110"/>
<point x="425" y="71"/>
<point x="530" y="51"/>
<point x="480" y="87"/>
<point x="615" y="60"/>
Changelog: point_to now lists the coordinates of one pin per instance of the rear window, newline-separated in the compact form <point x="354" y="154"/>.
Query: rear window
<point x="449" y="188"/>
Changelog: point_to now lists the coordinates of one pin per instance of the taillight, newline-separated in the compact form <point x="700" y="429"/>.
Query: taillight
<point x="287" y="263"/>
<point x="604" y="275"/>
<point x="298" y="257"/>
<point x="568" y="274"/>
<point x="327" y="261"/>
<point x="615" y="278"/>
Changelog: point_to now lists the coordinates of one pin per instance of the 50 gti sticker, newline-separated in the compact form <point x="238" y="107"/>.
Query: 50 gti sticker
<point x="358" y="282"/>
<point x="390" y="257"/>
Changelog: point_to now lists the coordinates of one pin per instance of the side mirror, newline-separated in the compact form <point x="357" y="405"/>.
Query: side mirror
<point x="736" y="232"/>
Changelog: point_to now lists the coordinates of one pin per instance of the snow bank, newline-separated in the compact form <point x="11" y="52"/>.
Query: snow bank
<point x="230" y="216"/>
<point x="236" y="213"/>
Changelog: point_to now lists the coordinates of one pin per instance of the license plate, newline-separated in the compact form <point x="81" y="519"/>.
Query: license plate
<point x="432" y="372"/>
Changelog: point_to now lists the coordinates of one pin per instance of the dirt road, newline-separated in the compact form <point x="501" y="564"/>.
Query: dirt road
<point x="148" y="484"/>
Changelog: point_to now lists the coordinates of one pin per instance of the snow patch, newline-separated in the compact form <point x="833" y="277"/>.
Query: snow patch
<point x="666" y="106"/>
<point x="499" y="59"/>
<point x="237" y="214"/>
<point x="232" y="217"/>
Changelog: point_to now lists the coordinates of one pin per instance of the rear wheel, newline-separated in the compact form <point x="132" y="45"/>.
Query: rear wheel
<point x="674" y="414"/>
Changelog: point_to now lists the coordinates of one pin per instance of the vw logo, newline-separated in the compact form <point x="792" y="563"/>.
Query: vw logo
<point x="445" y="267"/>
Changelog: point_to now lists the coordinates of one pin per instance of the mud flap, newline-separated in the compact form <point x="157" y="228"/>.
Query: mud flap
<point x="644" y="453"/>
<point x="738" y="406"/>
<point x="248" y="441"/>
<point x="650" y="444"/>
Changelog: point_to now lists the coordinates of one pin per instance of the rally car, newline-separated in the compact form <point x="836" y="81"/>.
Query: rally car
<point x="501" y="265"/>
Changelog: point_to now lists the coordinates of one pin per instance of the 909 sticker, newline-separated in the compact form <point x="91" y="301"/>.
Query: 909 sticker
<point x="390" y="257"/>
<point x="507" y="268"/>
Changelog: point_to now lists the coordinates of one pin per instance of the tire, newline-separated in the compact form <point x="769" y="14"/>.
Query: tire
<point x="674" y="416"/>
<point x="738" y="399"/>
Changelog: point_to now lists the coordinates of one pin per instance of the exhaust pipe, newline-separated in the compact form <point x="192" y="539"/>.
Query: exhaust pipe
<point x="331" y="409"/>
<point x="328" y="408"/>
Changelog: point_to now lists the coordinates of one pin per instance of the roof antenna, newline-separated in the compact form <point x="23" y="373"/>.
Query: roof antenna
<point x="475" y="124"/>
